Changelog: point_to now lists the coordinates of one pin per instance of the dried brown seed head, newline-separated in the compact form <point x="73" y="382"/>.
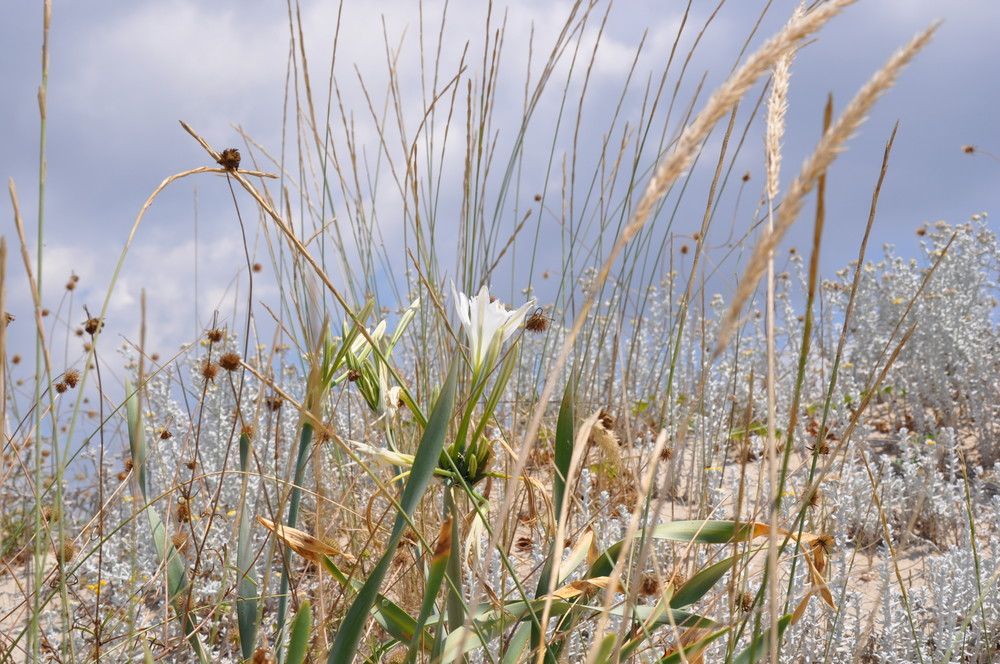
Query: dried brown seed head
<point x="72" y="378"/>
<point x="165" y="434"/>
<point x="273" y="403"/>
<point x="183" y="513"/>
<point x="968" y="149"/>
<point x="230" y="159"/>
<point x="61" y="387"/>
<point x="66" y="552"/>
<point x="649" y="586"/>
<point x="230" y="361"/>
<point x="93" y="325"/>
<point x="209" y="370"/>
<point x="179" y="540"/>
<point x="215" y="336"/>
<point x="536" y="322"/>
<point x="257" y="267"/>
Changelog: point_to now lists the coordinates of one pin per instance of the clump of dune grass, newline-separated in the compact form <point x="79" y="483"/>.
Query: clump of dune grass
<point x="419" y="464"/>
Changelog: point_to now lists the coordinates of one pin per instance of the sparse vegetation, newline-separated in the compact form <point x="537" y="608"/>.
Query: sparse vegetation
<point x="402" y="460"/>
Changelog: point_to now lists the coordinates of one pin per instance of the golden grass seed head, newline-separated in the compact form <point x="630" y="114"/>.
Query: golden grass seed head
<point x="230" y="361"/>
<point x="230" y="159"/>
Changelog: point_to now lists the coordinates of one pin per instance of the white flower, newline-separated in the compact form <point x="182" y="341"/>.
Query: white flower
<point x="487" y="324"/>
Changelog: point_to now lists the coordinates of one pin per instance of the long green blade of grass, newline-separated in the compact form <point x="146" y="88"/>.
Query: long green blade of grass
<point x="426" y="460"/>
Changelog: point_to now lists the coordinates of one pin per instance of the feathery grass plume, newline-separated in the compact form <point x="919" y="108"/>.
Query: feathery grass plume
<point x="777" y="105"/>
<point x="826" y="151"/>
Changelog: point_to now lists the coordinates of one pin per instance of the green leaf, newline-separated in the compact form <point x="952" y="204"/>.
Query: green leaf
<point x="352" y="628"/>
<point x="247" y="591"/>
<point x="703" y="532"/>
<point x="435" y="576"/>
<point x="298" y="641"/>
<point x="761" y="645"/>
<point x="177" y="581"/>
<point x="699" y="584"/>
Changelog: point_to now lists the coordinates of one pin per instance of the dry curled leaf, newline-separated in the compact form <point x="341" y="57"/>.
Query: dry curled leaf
<point x="302" y="543"/>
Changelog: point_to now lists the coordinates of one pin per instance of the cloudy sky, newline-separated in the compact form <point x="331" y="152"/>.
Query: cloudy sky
<point x="123" y="74"/>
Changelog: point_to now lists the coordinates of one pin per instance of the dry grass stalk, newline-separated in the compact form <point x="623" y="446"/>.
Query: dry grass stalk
<point x="728" y="94"/>
<point x="826" y="151"/>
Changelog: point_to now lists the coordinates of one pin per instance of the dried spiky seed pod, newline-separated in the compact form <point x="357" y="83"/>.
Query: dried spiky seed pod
<point x="209" y="370"/>
<point x="183" y="513"/>
<point x="230" y="159"/>
<point x="262" y="656"/>
<point x="179" y="540"/>
<point x="93" y="325"/>
<point x="61" y="387"/>
<point x="215" y="336"/>
<point x="649" y="586"/>
<point x="273" y="403"/>
<point x="66" y="552"/>
<point x="165" y="434"/>
<point x="72" y="378"/>
<point x="230" y="361"/>
<point x="536" y="322"/>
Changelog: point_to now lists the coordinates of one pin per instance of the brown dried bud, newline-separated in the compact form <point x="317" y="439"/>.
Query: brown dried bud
<point x="179" y="540"/>
<point x="209" y="370"/>
<point x="165" y="434"/>
<point x="536" y="322"/>
<point x="230" y="159"/>
<point x="92" y="326"/>
<point x="273" y="403"/>
<point x="230" y="361"/>
<point x="61" y="387"/>
<point x="215" y="336"/>
<point x="72" y="378"/>
<point x="183" y="513"/>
